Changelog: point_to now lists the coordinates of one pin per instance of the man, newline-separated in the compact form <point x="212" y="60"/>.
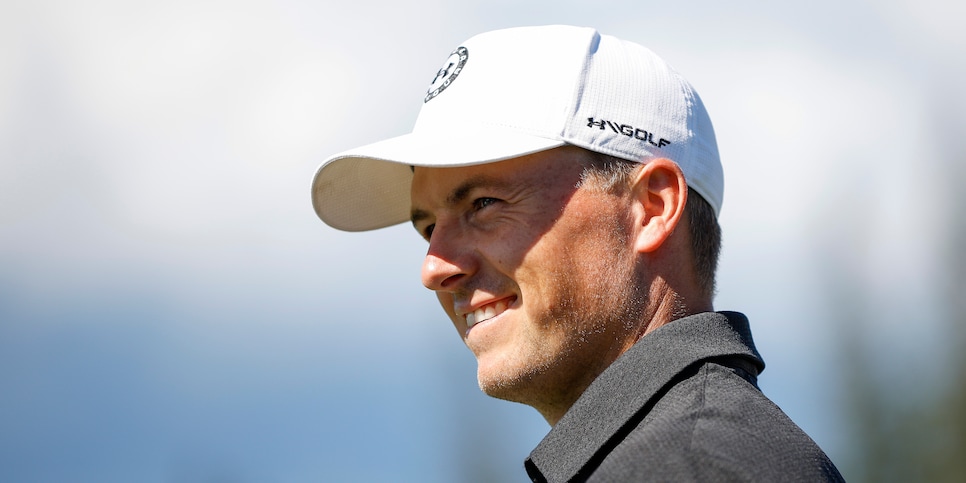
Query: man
<point x="568" y="186"/>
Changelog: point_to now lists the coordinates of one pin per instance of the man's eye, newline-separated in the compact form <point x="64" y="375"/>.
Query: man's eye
<point x="428" y="231"/>
<point x="480" y="203"/>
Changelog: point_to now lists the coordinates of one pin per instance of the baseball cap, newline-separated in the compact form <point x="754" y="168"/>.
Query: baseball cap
<point x="513" y="92"/>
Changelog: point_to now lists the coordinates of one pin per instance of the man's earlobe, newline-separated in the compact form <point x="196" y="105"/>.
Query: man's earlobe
<point x="661" y="193"/>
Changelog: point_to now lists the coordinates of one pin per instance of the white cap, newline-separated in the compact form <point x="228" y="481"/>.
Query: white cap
<point x="518" y="91"/>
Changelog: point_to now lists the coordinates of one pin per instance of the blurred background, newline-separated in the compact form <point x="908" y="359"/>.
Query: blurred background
<point x="172" y="311"/>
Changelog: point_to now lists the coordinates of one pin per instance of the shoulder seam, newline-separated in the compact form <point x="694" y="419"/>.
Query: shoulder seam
<point x="702" y="404"/>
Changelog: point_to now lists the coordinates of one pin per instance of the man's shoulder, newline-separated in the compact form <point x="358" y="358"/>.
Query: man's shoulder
<point x="714" y="423"/>
<point x="681" y="404"/>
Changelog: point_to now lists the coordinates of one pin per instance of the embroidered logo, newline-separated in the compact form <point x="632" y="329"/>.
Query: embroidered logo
<point x="451" y="69"/>
<point x="629" y="131"/>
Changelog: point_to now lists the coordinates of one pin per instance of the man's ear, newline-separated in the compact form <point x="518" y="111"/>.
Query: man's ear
<point x="660" y="193"/>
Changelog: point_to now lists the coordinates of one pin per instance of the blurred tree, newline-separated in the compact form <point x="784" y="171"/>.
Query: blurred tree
<point x="900" y="432"/>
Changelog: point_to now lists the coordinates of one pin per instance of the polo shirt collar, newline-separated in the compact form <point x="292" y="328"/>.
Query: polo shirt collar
<point x="632" y="381"/>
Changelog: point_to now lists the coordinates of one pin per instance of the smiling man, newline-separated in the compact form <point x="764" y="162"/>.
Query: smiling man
<point x="568" y="184"/>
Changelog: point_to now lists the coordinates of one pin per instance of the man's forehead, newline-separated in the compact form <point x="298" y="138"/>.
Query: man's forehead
<point x="551" y="161"/>
<point x="456" y="182"/>
<point x="452" y="186"/>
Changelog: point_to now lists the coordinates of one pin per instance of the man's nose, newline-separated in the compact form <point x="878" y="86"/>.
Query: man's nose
<point x="448" y="262"/>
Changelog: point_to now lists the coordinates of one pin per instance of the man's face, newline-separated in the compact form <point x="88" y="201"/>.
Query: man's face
<point x="537" y="275"/>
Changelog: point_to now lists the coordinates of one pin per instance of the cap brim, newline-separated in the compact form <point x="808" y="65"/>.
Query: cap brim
<point x="369" y="187"/>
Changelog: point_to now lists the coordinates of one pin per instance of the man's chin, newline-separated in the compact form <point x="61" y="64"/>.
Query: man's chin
<point x="501" y="391"/>
<point x="503" y="384"/>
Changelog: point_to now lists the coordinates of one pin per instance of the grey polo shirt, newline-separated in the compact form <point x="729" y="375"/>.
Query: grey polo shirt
<point x="682" y="404"/>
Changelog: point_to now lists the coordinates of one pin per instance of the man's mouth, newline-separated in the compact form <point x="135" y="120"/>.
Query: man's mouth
<point x="487" y="312"/>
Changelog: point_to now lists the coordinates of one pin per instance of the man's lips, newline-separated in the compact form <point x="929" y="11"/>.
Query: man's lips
<point x="487" y="311"/>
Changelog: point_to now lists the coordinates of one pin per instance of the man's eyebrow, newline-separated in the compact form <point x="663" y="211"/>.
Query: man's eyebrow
<point x="460" y="193"/>
<point x="463" y="190"/>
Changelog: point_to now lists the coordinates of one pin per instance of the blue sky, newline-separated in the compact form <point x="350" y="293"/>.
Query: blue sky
<point x="171" y="309"/>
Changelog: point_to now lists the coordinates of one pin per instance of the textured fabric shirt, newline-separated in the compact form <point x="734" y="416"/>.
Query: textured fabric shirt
<point x="682" y="404"/>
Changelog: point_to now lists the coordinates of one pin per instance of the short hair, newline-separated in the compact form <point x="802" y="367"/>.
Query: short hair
<point x="611" y="173"/>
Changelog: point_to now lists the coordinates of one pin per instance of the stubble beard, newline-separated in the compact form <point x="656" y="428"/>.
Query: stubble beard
<point x="595" y="315"/>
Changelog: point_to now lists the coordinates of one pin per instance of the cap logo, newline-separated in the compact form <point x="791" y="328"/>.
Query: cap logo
<point x="451" y="69"/>
<point x="629" y="131"/>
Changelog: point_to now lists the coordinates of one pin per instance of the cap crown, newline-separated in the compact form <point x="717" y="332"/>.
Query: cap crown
<point x="512" y="92"/>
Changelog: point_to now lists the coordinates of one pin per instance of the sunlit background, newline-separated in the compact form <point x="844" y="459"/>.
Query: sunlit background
<point x="172" y="311"/>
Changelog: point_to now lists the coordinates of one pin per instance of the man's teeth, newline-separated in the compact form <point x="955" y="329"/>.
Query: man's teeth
<point x="485" y="313"/>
